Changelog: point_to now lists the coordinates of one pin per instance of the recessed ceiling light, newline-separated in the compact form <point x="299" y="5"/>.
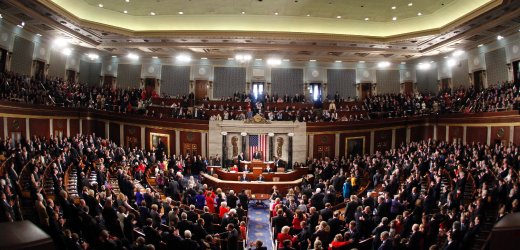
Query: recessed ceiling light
<point x="394" y="18"/>
<point x="127" y="1"/>
<point x="366" y="18"/>
<point x="276" y="13"/>
<point x="393" y="7"/>
<point x="419" y="14"/>
<point x="100" y="5"/>
<point x="338" y="17"/>
<point x="125" y="11"/>
<point x="499" y="37"/>
<point x="203" y="58"/>
<point x="480" y="45"/>
<point x="39" y="34"/>
<point x="1" y="16"/>
<point x="258" y="59"/>
<point x="114" y="56"/>
<point x="312" y="60"/>
<point x="338" y="61"/>
<point x="155" y="57"/>
<point x="403" y="63"/>
<point x="410" y="4"/>
<point x="308" y="14"/>
<point x="285" y="60"/>
<point x="361" y="61"/>
<point x="180" y="13"/>
<point x="152" y="13"/>
<point x="231" y="59"/>
<point x="243" y="12"/>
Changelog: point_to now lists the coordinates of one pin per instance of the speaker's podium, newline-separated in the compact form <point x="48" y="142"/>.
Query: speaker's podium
<point x="256" y="164"/>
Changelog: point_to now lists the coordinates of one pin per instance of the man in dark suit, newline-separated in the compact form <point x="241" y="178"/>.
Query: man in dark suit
<point x="257" y="155"/>
<point x="231" y="236"/>
<point x="268" y="169"/>
<point x="151" y="235"/>
<point x="387" y="243"/>
<point x="260" y="178"/>
<point x="188" y="243"/>
<point x="244" y="177"/>
<point x="327" y="212"/>
<point x="184" y="224"/>
<point x="240" y="157"/>
<point x="278" y="222"/>
<point x="258" y="245"/>
<point x="192" y="215"/>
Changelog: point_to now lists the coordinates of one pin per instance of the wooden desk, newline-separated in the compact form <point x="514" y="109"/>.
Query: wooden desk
<point x="255" y="187"/>
<point x="290" y="176"/>
<point x="256" y="164"/>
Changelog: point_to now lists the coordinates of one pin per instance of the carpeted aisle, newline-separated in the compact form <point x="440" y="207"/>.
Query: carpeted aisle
<point x="258" y="228"/>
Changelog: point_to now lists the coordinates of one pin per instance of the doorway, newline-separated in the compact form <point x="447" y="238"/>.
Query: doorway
<point x="71" y="76"/>
<point x="201" y="89"/>
<point x="516" y="70"/>
<point x="190" y="148"/>
<point x="258" y="91"/>
<point x="3" y="59"/>
<point x="445" y="85"/>
<point x="39" y="69"/>
<point x="324" y="151"/>
<point x="478" y="80"/>
<point x="408" y="88"/>
<point x="366" y="90"/>
<point x="149" y="87"/>
<point x="109" y="82"/>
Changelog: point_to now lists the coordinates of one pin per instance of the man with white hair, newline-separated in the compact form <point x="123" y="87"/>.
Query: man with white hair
<point x="42" y="211"/>
<point x="317" y="199"/>
<point x="188" y="243"/>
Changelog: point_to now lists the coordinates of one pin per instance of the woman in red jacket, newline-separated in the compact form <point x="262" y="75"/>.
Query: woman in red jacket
<point x="282" y="236"/>
<point x="210" y="201"/>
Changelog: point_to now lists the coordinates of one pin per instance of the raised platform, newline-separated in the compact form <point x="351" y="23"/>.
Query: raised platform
<point x="254" y="186"/>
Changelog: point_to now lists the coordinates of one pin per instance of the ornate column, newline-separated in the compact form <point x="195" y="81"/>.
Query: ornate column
<point x="271" y="146"/>
<point x="224" y="148"/>
<point x="289" y="160"/>
<point x="244" y="134"/>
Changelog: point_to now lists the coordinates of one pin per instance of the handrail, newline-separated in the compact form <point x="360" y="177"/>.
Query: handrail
<point x="2" y="167"/>
<point x="43" y="180"/>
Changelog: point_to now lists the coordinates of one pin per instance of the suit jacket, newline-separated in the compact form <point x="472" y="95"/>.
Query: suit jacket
<point x="242" y="178"/>
<point x="257" y="155"/>
<point x="260" y="178"/>
<point x="387" y="245"/>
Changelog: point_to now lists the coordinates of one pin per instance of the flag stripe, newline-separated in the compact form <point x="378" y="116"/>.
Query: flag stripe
<point x="257" y="143"/>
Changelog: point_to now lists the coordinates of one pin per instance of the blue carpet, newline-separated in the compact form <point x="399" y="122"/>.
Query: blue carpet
<point x="258" y="228"/>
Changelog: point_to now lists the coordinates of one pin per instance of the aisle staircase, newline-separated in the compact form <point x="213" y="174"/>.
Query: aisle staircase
<point x="259" y="227"/>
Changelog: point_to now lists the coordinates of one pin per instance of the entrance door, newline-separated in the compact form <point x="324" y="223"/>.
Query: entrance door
<point x="109" y="81"/>
<point x="323" y="151"/>
<point x="190" y="148"/>
<point x="478" y="80"/>
<point x="516" y="70"/>
<point x="258" y="91"/>
<point x="408" y="88"/>
<point x="16" y="137"/>
<point x="366" y="90"/>
<point x="149" y="86"/>
<point x="3" y="59"/>
<point x="71" y="76"/>
<point x="445" y="84"/>
<point x="201" y="89"/>
<point x="39" y="69"/>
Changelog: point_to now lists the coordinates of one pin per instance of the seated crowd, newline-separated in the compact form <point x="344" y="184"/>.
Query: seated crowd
<point x="242" y="106"/>
<point x="88" y="193"/>
<point x="424" y="195"/>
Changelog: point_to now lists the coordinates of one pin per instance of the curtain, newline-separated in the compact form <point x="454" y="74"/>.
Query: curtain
<point x="22" y="56"/>
<point x="89" y="73"/>
<point x="427" y="80"/>
<point x="460" y="75"/>
<point x="496" y="66"/>
<point x="57" y="64"/>
<point x="286" y="81"/>
<point x="228" y="80"/>
<point x="128" y="75"/>
<point x="342" y="81"/>
<point x="175" y="80"/>
<point x="388" y="81"/>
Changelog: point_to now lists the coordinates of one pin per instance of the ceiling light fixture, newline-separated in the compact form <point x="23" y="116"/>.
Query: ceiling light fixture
<point x="338" y="61"/>
<point x="258" y="59"/>
<point x="480" y="45"/>
<point x="451" y="62"/>
<point x="419" y="14"/>
<point x="457" y="53"/>
<point x="133" y="56"/>
<point x="60" y="42"/>
<point x="403" y="63"/>
<point x="92" y="56"/>
<point x="410" y="4"/>
<point x="424" y="66"/>
<point x="38" y="34"/>
<point x="243" y="58"/>
<point x="243" y="12"/>
<point x="152" y="13"/>
<point x="125" y="11"/>
<point x="276" y="13"/>
<point x="394" y="18"/>
<point x="183" y="58"/>
<point x="1" y="16"/>
<point x="67" y="51"/>
<point x="114" y="56"/>
<point x="361" y="61"/>
<point x="393" y="7"/>
<point x="155" y="57"/>
<point x="203" y="58"/>
<point x="285" y="60"/>
<point x="499" y="37"/>
<point x="274" y="61"/>
<point x="100" y="5"/>
<point x="366" y="18"/>
<point x="308" y="14"/>
<point x="383" y="64"/>
<point x="338" y="17"/>
<point x="312" y="60"/>
<point x="181" y="13"/>
<point x="127" y="1"/>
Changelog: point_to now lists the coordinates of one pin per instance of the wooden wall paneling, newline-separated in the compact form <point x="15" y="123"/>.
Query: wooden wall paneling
<point x="382" y="140"/>
<point x="74" y="127"/>
<point x="421" y="133"/>
<point x="98" y="127"/>
<point x="16" y="125"/>
<point x="132" y="136"/>
<point x="171" y="133"/>
<point x="400" y="136"/>
<point x="499" y="133"/>
<point x="190" y="138"/>
<point x="2" y="127"/>
<point x="455" y="133"/>
<point x="59" y="126"/>
<point x="516" y="138"/>
<point x="324" y="143"/>
<point x="39" y="127"/>
<point x="441" y="133"/>
<point x="476" y="134"/>
<point x="114" y="133"/>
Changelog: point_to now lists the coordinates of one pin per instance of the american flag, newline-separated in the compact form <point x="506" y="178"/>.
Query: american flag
<point x="257" y="143"/>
